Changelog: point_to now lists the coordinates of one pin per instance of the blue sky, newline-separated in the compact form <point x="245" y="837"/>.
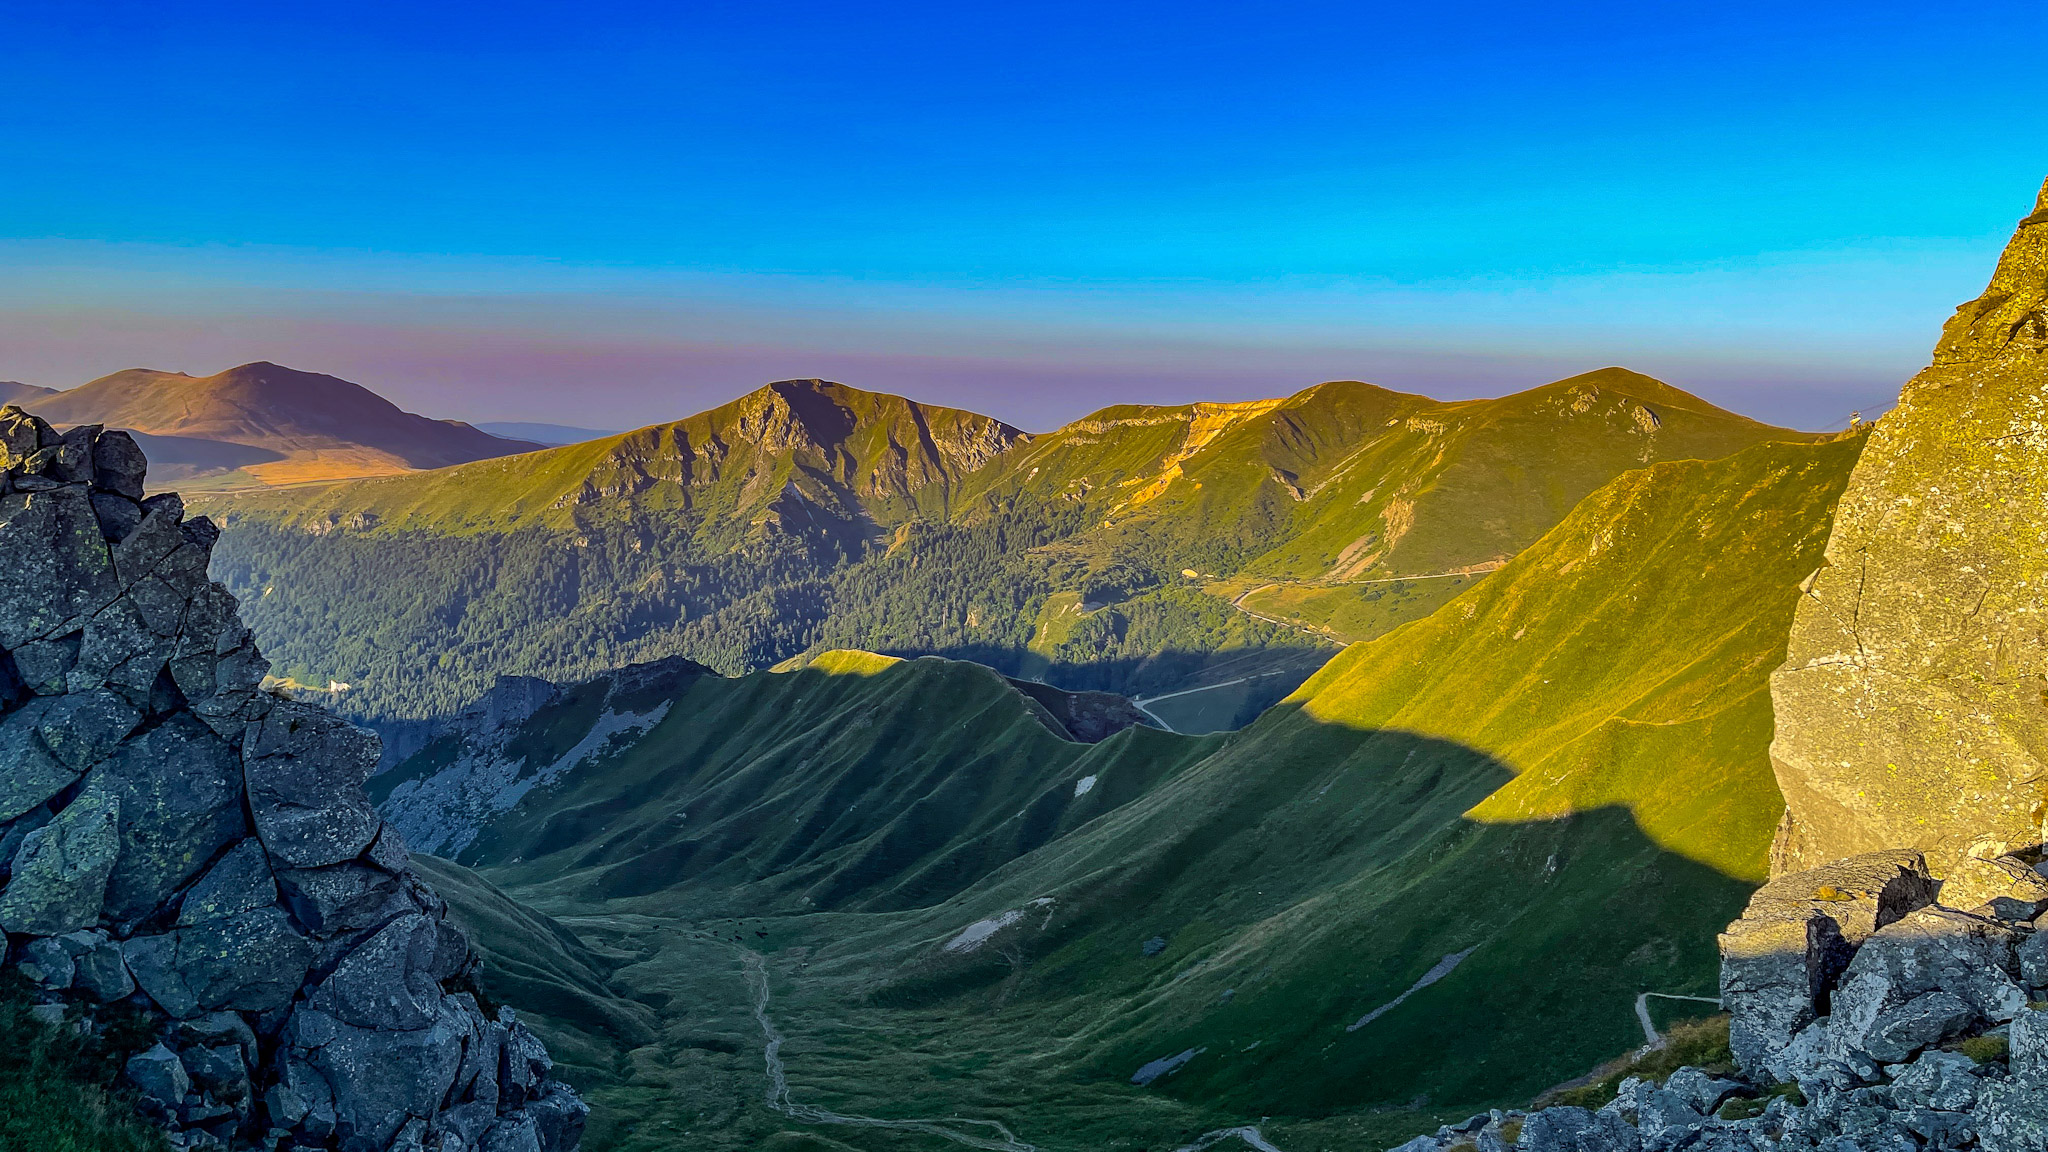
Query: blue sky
<point x="612" y="214"/>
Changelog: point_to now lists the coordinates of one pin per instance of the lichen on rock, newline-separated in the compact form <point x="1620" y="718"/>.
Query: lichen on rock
<point x="175" y="839"/>
<point x="1912" y="709"/>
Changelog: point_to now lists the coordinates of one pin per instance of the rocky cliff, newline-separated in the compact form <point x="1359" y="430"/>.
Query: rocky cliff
<point x="175" y="841"/>
<point x="1888" y="989"/>
<point x="1912" y="710"/>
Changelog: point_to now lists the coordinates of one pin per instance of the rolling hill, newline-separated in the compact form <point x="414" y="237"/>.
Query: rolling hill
<point x="1146" y="551"/>
<point x="27" y="395"/>
<point x="262" y="424"/>
<point x="1329" y="919"/>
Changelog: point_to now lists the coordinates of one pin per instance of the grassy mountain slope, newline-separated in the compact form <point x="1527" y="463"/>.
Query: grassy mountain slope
<point x="811" y="453"/>
<point x="1142" y="550"/>
<point x="1349" y="481"/>
<point x="859" y="782"/>
<point x="561" y="985"/>
<point x="310" y="426"/>
<point x="1252" y="899"/>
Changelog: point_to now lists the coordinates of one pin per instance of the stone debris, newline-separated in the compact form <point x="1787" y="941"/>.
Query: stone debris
<point x="175" y="839"/>
<point x="1865" y="1016"/>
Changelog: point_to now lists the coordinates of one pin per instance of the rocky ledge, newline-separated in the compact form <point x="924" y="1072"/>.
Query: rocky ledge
<point x="176" y="842"/>
<point x="1872" y="1009"/>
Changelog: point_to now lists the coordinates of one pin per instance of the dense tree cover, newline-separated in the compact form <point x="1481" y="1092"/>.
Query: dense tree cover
<point x="419" y="623"/>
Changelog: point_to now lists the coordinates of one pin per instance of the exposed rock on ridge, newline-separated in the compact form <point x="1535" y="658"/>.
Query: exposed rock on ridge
<point x="173" y="838"/>
<point x="480" y="768"/>
<point x="1912" y="710"/>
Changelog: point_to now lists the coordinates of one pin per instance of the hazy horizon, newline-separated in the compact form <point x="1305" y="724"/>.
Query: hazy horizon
<point x="621" y="215"/>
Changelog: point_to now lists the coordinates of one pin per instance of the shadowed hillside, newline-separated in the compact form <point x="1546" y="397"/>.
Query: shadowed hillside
<point x="960" y="913"/>
<point x="15" y="392"/>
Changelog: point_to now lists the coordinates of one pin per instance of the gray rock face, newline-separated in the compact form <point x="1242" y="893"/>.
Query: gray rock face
<point x="1923" y="979"/>
<point x="481" y="768"/>
<point x="251" y="962"/>
<point x="305" y="772"/>
<point x="174" y="838"/>
<point x="1798" y="935"/>
<point x="160" y="1076"/>
<point x="60" y="871"/>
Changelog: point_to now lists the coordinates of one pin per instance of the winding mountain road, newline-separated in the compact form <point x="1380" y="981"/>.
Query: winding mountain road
<point x="988" y="1135"/>
<point x="1652" y="1039"/>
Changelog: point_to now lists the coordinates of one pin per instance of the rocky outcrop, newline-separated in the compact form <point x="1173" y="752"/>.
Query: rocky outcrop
<point x="1864" y="1016"/>
<point x="1888" y="989"/>
<point x="175" y="840"/>
<point x="485" y="761"/>
<point x="1912" y="710"/>
<point x="505" y="705"/>
<point x="1798" y="934"/>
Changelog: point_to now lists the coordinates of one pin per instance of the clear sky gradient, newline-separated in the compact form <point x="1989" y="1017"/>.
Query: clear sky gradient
<point x="610" y="214"/>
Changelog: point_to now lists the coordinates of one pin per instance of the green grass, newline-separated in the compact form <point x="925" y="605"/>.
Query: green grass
<point x="1698" y="1043"/>
<point x="1984" y="1049"/>
<point x="58" y="1091"/>
<point x="1561" y="774"/>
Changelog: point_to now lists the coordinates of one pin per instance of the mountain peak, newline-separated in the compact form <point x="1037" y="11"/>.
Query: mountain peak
<point x="2011" y="317"/>
<point x="307" y="425"/>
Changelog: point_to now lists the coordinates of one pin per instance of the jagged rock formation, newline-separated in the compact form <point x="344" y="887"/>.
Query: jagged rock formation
<point x="1905" y="1024"/>
<point x="1912" y="710"/>
<point x="505" y="704"/>
<point x="174" y="839"/>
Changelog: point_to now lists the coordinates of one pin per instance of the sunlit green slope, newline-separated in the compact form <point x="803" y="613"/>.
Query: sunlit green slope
<point x="1559" y="779"/>
<point x="1349" y="481"/>
<point x="811" y="453"/>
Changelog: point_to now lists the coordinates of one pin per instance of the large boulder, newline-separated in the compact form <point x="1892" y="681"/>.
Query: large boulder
<point x="60" y="871"/>
<point x="250" y="962"/>
<point x="1797" y="936"/>
<point x="1910" y="706"/>
<point x="1932" y="975"/>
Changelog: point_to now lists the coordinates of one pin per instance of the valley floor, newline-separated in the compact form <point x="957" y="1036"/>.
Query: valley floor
<point x="868" y="1077"/>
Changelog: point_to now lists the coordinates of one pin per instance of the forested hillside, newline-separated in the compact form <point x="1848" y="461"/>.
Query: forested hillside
<point x="1141" y="550"/>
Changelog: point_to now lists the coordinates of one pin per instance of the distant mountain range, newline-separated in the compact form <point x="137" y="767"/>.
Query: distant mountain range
<point x="262" y="425"/>
<point x="552" y="435"/>
<point x="1144" y="549"/>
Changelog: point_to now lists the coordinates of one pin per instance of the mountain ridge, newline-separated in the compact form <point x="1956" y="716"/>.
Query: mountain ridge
<point x="15" y="392"/>
<point x="1242" y="898"/>
<point x="1140" y="550"/>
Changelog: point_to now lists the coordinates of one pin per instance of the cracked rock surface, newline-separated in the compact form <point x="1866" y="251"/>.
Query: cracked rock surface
<point x="1912" y="709"/>
<point x="175" y="840"/>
